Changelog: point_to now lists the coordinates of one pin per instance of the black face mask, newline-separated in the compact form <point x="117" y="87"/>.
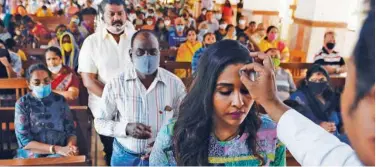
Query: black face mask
<point x="317" y="88"/>
<point x="330" y="45"/>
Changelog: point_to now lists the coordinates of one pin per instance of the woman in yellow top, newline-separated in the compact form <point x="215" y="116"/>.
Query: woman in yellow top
<point x="44" y="12"/>
<point x="187" y="50"/>
<point x="271" y="41"/>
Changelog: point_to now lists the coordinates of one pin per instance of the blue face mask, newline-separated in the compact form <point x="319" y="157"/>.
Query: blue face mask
<point x="42" y="91"/>
<point x="179" y="28"/>
<point x="146" y="64"/>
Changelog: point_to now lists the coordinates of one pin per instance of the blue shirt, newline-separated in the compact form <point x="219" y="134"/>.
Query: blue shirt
<point x="196" y="59"/>
<point x="174" y="40"/>
<point x="47" y="120"/>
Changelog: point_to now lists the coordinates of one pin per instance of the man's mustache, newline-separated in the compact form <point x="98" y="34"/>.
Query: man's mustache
<point x="118" y="22"/>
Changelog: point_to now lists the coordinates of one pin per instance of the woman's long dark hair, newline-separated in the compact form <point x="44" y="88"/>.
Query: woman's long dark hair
<point x="329" y="95"/>
<point x="194" y="124"/>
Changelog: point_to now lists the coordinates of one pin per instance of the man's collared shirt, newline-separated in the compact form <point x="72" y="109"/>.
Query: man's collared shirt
<point x="101" y="54"/>
<point x="126" y="100"/>
<point x="325" y="58"/>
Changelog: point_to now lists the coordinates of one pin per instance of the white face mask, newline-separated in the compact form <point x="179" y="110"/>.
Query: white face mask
<point x="167" y="22"/>
<point x="223" y="26"/>
<point x="241" y="22"/>
<point x="149" y="22"/>
<point x="56" y="69"/>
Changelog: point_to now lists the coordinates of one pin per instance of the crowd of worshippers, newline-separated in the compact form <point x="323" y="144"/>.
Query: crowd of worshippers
<point x="144" y="114"/>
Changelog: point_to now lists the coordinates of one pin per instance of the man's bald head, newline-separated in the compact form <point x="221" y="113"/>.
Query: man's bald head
<point x="144" y="40"/>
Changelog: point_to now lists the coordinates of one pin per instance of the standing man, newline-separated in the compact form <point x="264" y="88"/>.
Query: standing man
<point x="211" y="21"/>
<point x="330" y="59"/>
<point x="138" y="102"/>
<point x="104" y="55"/>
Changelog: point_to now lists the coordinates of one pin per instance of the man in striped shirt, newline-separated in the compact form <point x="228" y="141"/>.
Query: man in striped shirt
<point x="138" y="102"/>
<point x="328" y="57"/>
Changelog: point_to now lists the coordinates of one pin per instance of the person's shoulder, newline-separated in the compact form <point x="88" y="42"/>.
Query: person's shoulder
<point x="267" y="123"/>
<point x="167" y="75"/>
<point x="24" y="100"/>
<point x="58" y="98"/>
<point x="298" y="96"/>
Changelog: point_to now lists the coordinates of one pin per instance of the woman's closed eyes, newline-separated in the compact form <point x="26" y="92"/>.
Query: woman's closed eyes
<point x="227" y="90"/>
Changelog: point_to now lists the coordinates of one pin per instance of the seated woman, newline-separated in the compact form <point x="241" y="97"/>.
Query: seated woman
<point x="217" y="122"/>
<point x="64" y="81"/>
<point x="322" y="102"/>
<point x="44" y="125"/>
<point x="187" y="50"/>
<point x="271" y="41"/>
<point x="69" y="50"/>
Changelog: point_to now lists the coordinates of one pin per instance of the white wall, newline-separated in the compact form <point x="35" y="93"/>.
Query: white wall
<point x="267" y="5"/>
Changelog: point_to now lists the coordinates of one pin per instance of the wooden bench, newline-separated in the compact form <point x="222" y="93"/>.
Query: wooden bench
<point x="51" y="22"/>
<point x="296" y="69"/>
<point x="19" y="84"/>
<point x="290" y="160"/>
<point x="62" y="161"/>
<point x="81" y="116"/>
<point x="168" y="55"/>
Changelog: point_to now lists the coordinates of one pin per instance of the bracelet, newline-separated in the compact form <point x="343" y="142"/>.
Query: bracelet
<point x="52" y="149"/>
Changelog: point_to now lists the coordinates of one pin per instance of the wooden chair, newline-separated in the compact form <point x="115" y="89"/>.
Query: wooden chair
<point x="296" y="69"/>
<point x="19" y="84"/>
<point x="83" y="122"/>
<point x="61" y="161"/>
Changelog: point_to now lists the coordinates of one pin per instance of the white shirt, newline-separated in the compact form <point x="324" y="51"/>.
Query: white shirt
<point x="213" y="26"/>
<point x="311" y="145"/>
<point x="100" y="54"/>
<point x="126" y="100"/>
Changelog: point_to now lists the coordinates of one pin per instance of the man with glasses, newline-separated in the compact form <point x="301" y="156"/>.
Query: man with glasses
<point x="138" y="102"/>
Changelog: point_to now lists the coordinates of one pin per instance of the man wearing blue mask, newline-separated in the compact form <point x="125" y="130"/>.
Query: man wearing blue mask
<point x="136" y="103"/>
<point x="178" y="36"/>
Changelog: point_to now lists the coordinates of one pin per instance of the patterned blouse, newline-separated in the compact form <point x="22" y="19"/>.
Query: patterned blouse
<point x="46" y="120"/>
<point x="227" y="153"/>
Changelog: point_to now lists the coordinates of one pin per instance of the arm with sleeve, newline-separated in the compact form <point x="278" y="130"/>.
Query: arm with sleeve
<point x="22" y="125"/>
<point x="104" y="123"/>
<point x="311" y="145"/>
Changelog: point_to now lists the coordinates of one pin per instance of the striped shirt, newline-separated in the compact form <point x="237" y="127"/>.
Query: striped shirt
<point x="325" y="58"/>
<point x="285" y="83"/>
<point x="126" y="100"/>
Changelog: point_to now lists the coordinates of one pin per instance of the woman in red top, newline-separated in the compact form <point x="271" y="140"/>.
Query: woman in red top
<point x="227" y="12"/>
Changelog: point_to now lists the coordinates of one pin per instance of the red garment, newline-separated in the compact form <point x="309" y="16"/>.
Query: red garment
<point x="227" y="11"/>
<point x="65" y="79"/>
<point x="39" y="30"/>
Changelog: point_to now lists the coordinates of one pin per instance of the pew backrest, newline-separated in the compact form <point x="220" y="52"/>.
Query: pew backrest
<point x="61" y="161"/>
<point x="18" y="84"/>
<point x="296" y="69"/>
<point x="172" y="66"/>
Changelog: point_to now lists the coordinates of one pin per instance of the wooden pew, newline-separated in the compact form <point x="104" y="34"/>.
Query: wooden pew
<point x="296" y="69"/>
<point x="290" y="160"/>
<point x="51" y="22"/>
<point x="168" y="55"/>
<point x="19" y="84"/>
<point x="62" y="161"/>
<point x="81" y="116"/>
<point x="34" y="56"/>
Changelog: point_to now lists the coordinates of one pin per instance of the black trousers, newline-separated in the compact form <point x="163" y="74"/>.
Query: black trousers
<point x="107" y="148"/>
